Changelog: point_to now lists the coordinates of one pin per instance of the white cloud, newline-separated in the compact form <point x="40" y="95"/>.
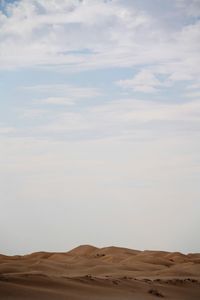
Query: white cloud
<point x="55" y="101"/>
<point x="76" y="36"/>
<point x="146" y="111"/>
<point x="193" y="90"/>
<point x="50" y="37"/>
<point x="122" y="119"/>
<point x="66" y="122"/>
<point x="44" y="180"/>
<point x="32" y="113"/>
<point x="190" y="7"/>
<point x="193" y="95"/>
<point x="195" y="85"/>
<point x="6" y="130"/>
<point x="64" y="89"/>
<point x="145" y="81"/>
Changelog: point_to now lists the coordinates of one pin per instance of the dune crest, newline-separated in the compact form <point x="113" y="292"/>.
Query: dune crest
<point x="100" y="273"/>
<point x="83" y="250"/>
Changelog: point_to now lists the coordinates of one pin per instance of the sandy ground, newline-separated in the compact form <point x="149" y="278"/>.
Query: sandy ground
<point x="87" y="272"/>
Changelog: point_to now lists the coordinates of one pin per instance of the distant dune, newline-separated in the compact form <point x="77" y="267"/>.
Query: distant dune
<point x="87" y="272"/>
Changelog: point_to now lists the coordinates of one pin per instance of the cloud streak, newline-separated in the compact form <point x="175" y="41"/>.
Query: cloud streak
<point x="43" y="34"/>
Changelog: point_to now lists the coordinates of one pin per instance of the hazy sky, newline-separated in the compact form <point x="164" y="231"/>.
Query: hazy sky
<point x="99" y="124"/>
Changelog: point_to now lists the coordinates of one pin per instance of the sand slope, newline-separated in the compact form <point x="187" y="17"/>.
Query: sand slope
<point x="87" y="272"/>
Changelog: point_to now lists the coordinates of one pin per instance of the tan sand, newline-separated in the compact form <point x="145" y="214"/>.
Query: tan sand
<point x="87" y="272"/>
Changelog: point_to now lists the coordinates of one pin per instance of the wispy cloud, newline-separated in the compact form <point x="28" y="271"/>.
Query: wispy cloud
<point x="64" y="89"/>
<point x="55" y="101"/>
<point x="193" y="94"/>
<point x="6" y="130"/>
<point x="189" y="7"/>
<point x="145" y="81"/>
<point x="48" y="35"/>
<point x="123" y="117"/>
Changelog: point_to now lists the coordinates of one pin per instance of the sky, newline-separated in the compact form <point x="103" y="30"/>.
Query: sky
<point x="99" y="124"/>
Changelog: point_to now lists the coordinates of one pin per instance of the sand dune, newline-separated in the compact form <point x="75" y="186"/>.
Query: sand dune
<point x="88" y="272"/>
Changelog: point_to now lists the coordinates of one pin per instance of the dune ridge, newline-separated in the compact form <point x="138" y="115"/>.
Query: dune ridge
<point x="88" y="272"/>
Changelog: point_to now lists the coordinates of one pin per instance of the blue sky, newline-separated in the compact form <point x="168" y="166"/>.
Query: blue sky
<point x="99" y="124"/>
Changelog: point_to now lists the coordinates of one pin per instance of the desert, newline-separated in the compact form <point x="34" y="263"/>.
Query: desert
<point x="99" y="149"/>
<point x="88" y="272"/>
